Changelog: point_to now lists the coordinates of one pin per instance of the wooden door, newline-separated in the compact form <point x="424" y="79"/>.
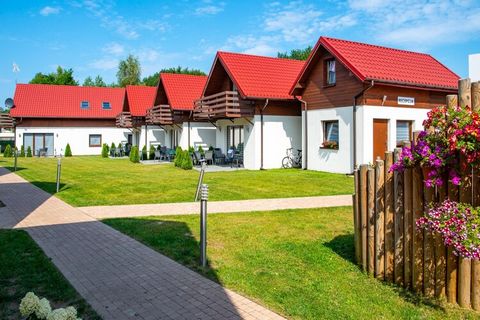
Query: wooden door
<point x="380" y="138"/>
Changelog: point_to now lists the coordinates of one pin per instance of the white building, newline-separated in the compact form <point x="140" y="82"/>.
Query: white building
<point x="361" y="100"/>
<point x="474" y="67"/>
<point x="48" y="117"/>
<point x="246" y="98"/>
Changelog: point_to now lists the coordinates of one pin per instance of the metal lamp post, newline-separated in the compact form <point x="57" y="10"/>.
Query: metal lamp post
<point x="203" y="225"/>
<point x="15" y="153"/>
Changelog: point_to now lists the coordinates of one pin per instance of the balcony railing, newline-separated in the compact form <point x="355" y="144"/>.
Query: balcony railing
<point x="124" y="120"/>
<point x="6" y="121"/>
<point x="226" y="104"/>
<point x="161" y="114"/>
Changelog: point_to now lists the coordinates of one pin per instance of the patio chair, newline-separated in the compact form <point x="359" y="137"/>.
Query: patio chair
<point x="171" y="154"/>
<point x="218" y="156"/>
<point x="119" y="151"/>
<point x="197" y="157"/>
<point x="209" y="156"/>
<point x="238" y="156"/>
<point x="157" y="156"/>
<point x="163" y="153"/>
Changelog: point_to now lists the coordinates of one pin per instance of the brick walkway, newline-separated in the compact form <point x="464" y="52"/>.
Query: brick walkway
<point x="120" y="277"/>
<point x="102" y="212"/>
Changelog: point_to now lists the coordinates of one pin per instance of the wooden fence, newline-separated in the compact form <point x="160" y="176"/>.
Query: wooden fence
<point x="387" y="242"/>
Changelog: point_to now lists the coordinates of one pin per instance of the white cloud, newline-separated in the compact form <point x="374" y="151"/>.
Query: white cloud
<point x="209" y="10"/>
<point x="114" y="49"/>
<point x="46" y="11"/>
<point x="104" y="64"/>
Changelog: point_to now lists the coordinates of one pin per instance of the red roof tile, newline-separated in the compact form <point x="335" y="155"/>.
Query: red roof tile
<point x="54" y="101"/>
<point x="140" y="98"/>
<point x="182" y="89"/>
<point x="371" y="62"/>
<point x="261" y="77"/>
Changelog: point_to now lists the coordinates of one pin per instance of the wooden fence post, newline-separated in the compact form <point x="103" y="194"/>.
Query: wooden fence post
<point x="371" y="220"/>
<point x="464" y="93"/>
<point x="398" y="222"/>
<point x="476" y="263"/>
<point x="356" y="218"/>
<point x="408" y="225"/>
<point x="476" y="96"/>
<point x="363" y="214"/>
<point x="379" y="220"/>
<point x="389" y="224"/>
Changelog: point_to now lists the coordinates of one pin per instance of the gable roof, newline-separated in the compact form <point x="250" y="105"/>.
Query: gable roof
<point x="58" y="101"/>
<point x="386" y="65"/>
<point x="259" y="76"/>
<point x="182" y="89"/>
<point x="140" y="98"/>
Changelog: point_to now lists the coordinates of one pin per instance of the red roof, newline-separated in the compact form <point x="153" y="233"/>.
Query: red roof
<point x="55" y="101"/>
<point x="261" y="77"/>
<point x="382" y="64"/>
<point x="182" y="89"/>
<point x="140" y="98"/>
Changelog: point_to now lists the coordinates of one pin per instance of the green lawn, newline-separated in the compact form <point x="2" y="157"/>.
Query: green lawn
<point x="24" y="268"/>
<point x="89" y="181"/>
<point x="297" y="262"/>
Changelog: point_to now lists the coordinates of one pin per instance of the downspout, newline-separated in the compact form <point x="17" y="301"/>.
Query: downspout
<point x="354" y="122"/>
<point x="189" y="117"/>
<point x="305" y="130"/>
<point x="146" y="138"/>
<point x="261" y="133"/>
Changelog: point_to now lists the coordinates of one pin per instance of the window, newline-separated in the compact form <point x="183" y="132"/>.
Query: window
<point x="95" y="140"/>
<point x="106" y="105"/>
<point x="235" y="136"/>
<point x="404" y="132"/>
<point x="84" y="105"/>
<point x="39" y="143"/>
<point x="330" y="134"/>
<point x="330" y="73"/>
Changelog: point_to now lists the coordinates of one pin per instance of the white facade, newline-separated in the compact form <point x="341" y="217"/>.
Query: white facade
<point x="279" y="134"/>
<point x="474" y="67"/>
<point x="341" y="160"/>
<point x="77" y="137"/>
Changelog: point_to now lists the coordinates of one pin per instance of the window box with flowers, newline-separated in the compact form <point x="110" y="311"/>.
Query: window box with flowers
<point x="330" y="135"/>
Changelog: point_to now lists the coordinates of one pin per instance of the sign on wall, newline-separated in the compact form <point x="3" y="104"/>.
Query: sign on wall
<point x="406" y="101"/>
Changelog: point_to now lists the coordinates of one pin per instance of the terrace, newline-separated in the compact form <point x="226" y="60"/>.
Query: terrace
<point x="6" y="121"/>
<point x="163" y="114"/>
<point x="225" y="104"/>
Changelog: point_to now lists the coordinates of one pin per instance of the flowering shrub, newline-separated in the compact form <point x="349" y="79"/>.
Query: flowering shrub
<point x="32" y="308"/>
<point x="448" y="133"/>
<point x="459" y="226"/>
<point x="330" y="145"/>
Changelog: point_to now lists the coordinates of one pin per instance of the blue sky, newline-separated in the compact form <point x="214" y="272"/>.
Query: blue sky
<point x="91" y="36"/>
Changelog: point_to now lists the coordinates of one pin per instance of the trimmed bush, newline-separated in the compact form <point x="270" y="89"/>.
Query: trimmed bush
<point x="7" y="153"/>
<point x="151" y="154"/>
<point x="29" y="152"/>
<point x="144" y="153"/>
<point x="159" y="148"/>
<point x="200" y="149"/>
<point x="187" y="163"/>
<point x="22" y="151"/>
<point x="178" y="157"/>
<point x="210" y="148"/>
<point x="68" y="151"/>
<point x="191" y="150"/>
<point x="134" y="155"/>
<point x="105" y="151"/>
<point x="112" y="147"/>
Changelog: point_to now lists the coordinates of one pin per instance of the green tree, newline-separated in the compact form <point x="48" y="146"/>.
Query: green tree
<point x="144" y="153"/>
<point x="178" y="157"/>
<point x="134" y="156"/>
<point x="152" y="80"/>
<point x="187" y="163"/>
<point x="99" y="81"/>
<point x="105" y="151"/>
<point x="29" y="152"/>
<point x="88" y="82"/>
<point x="60" y="77"/>
<point x="151" y="153"/>
<point x="296" y="54"/>
<point x="7" y="153"/>
<point x="129" y="71"/>
<point x="68" y="151"/>
<point x="22" y="151"/>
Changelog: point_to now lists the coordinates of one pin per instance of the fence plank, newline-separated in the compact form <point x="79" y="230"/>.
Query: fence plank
<point x="398" y="222"/>
<point x="464" y="93"/>
<point x="440" y="251"/>
<point x="389" y="213"/>
<point x="452" y="100"/>
<point x="379" y="219"/>
<point x="428" y="250"/>
<point x="363" y="213"/>
<point x="475" y="263"/>
<point x="465" y="265"/>
<point x="476" y="96"/>
<point x="452" y="260"/>
<point x="371" y="220"/>
<point x="356" y="218"/>
<point x="408" y="226"/>
<point x="417" y="195"/>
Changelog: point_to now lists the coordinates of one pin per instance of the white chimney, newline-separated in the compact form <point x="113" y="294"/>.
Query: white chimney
<point x="474" y="67"/>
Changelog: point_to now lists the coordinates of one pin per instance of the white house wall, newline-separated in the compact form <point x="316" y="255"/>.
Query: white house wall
<point x="201" y="134"/>
<point x="155" y="136"/>
<point x="77" y="137"/>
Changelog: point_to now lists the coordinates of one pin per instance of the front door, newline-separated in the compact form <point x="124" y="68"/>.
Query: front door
<point x="380" y="138"/>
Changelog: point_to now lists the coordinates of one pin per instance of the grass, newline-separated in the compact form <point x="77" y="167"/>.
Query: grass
<point x="24" y="268"/>
<point x="296" y="262"/>
<point x="90" y="181"/>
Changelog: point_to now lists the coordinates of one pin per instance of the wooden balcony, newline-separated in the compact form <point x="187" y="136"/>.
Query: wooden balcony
<point x="6" y="121"/>
<point x="222" y="105"/>
<point x="124" y="120"/>
<point x="161" y="114"/>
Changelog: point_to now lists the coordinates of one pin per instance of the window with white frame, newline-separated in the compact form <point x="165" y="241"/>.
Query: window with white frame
<point x="404" y="132"/>
<point x="330" y="72"/>
<point x="235" y="136"/>
<point x="330" y="134"/>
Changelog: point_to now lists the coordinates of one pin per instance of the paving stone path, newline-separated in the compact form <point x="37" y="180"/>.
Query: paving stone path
<point x="120" y="277"/>
<point x="123" y="211"/>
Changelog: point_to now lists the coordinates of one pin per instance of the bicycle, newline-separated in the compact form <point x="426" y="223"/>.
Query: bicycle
<point x="292" y="160"/>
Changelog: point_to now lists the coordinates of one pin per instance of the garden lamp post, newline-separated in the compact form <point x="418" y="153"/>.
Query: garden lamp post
<point x="203" y="225"/>
<point x="59" y="170"/>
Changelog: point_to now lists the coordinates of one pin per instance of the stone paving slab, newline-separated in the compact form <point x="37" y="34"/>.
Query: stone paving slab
<point x="120" y="277"/>
<point x="124" y="211"/>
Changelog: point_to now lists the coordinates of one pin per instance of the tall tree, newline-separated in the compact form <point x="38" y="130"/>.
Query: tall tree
<point x="296" y="54"/>
<point x="60" y="77"/>
<point x="129" y="71"/>
<point x="152" y="80"/>
<point x="88" y="82"/>
<point x="99" y="82"/>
